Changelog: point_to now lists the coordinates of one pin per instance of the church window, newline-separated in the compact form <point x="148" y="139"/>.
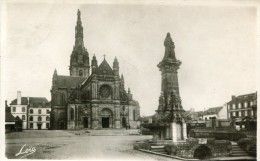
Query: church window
<point x="72" y="114"/>
<point x="31" y="118"/>
<point x="61" y="100"/>
<point x="80" y="73"/>
<point x="39" y="118"/>
<point x="105" y="91"/>
<point x="31" y="111"/>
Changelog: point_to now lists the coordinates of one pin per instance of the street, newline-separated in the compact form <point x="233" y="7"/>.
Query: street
<point x="60" y="144"/>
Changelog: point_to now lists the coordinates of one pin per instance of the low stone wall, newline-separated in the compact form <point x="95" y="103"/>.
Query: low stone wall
<point x="191" y="148"/>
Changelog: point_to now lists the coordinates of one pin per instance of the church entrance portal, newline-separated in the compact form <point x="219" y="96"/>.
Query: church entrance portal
<point x="105" y="122"/>
<point x="85" y="122"/>
<point x="106" y="116"/>
<point x="124" y="122"/>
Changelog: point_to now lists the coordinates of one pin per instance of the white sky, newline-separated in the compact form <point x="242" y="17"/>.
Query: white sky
<point x="216" y="44"/>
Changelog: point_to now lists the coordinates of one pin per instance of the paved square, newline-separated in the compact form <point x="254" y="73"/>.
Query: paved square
<point x="60" y="144"/>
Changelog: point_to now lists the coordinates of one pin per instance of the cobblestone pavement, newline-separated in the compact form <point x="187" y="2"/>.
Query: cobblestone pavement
<point x="66" y="145"/>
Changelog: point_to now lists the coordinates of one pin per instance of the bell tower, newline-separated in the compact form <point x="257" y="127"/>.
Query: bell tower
<point x="79" y="59"/>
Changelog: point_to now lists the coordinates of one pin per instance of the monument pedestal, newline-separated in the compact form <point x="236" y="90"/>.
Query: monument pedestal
<point x="179" y="132"/>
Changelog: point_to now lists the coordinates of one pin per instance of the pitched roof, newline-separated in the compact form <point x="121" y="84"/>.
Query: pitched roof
<point x="210" y="111"/>
<point x="213" y="110"/>
<point x="24" y="101"/>
<point x="245" y="97"/>
<point x="37" y="100"/>
<point x="31" y="100"/>
<point x="9" y="117"/>
<point x="104" y="69"/>
<point x="68" y="81"/>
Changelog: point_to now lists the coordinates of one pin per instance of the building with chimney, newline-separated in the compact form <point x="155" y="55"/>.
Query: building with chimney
<point x="33" y="111"/>
<point x="19" y="108"/>
<point x="92" y="96"/>
<point x="242" y="110"/>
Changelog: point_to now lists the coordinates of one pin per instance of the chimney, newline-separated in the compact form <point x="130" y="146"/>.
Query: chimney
<point x="19" y="98"/>
<point x="233" y="98"/>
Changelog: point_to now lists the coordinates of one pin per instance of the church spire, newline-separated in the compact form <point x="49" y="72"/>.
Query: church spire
<point x="116" y="67"/>
<point x="79" y="28"/>
<point x="79" y="59"/>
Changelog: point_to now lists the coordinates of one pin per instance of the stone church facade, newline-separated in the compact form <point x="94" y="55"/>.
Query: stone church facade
<point x="93" y="100"/>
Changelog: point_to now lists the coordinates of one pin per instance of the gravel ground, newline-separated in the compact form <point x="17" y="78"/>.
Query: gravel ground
<point x="65" y="145"/>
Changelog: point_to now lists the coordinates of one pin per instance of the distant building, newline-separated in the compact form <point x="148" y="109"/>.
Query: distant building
<point x="242" y="110"/>
<point x="243" y="105"/>
<point x="147" y="119"/>
<point x="38" y="113"/>
<point x="34" y="112"/>
<point x="19" y="108"/>
<point x="213" y="112"/>
<point x="9" y="119"/>
<point x="191" y="115"/>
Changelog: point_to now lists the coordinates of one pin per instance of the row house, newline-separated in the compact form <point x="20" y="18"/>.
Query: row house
<point x="33" y="111"/>
<point x="242" y="106"/>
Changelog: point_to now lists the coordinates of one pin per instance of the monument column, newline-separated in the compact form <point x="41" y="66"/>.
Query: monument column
<point x="174" y="132"/>
<point x="184" y="130"/>
<point x="170" y="109"/>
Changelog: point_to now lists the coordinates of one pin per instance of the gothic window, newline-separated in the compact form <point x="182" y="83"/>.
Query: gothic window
<point x="31" y="118"/>
<point x="72" y="114"/>
<point x="31" y="111"/>
<point x="23" y="117"/>
<point x="80" y="73"/>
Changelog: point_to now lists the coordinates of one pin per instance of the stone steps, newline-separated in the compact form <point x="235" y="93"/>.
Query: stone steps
<point x="158" y="149"/>
<point x="237" y="151"/>
<point x="113" y="132"/>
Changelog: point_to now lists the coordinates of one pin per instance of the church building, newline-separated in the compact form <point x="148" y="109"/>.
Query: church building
<point x="93" y="96"/>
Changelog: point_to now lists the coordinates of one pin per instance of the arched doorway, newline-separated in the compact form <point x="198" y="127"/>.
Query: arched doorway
<point x="202" y="152"/>
<point x="85" y="122"/>
<point x="106" y="118"/>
